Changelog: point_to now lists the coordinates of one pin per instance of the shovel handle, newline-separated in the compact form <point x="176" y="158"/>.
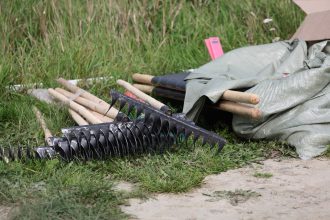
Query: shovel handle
<point x="151" y="101"/>
<point x="238" y="109"/>
<point x="142" y="78"/>
<point x="76" y="107"/>
<point x="77" y="118"/>
<point x="229" y="95"/>
<point x="42" y="122"/>
<point x="243" y="97"/>
<point x="83" y="93"/>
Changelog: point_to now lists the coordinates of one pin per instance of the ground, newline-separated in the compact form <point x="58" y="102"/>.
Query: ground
<point x="295" y="189"/>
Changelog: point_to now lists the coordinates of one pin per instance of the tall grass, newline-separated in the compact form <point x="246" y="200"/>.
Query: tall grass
<point x="41" y="40"/>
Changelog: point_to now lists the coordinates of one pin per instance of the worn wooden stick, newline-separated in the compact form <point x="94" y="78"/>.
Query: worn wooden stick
<point x="228" y="106"/>
<point x="238" y="109"/>
<point x="102" y="117"/>
<point x="77" y="118"/>
<point x="153" y="102"/>
<point x="102" y="109"/>
<point x="142" y="78"/>
<point x="83" y="93"/>
<point x="144" y="88"/>
<point x="43" y="125"/>
<point x="76" y="107"/>
<point x="229" y="95"/>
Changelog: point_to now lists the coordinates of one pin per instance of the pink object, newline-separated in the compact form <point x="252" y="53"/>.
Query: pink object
<point x="214" y="47"/>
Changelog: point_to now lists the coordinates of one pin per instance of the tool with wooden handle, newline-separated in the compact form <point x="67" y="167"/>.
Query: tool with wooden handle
<point x="102" y="109"/>
<point x="76" y="107"/>
<point x="170" y="81"/>
<point x="161" y="92"/>
<point x="77" y="118"/>
<point x="223" y="105"/>
<point x="81" y="92"/>
<point x="102" y="117"/>
<point x="150" y="100"/>
<point x="229" y="95"/>
<point x="43" y="124"/>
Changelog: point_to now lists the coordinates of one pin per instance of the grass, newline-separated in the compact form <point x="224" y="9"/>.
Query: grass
<point x="263" y="175"/>
<point x="43" y="40"/>
<point x="234" y="197"/>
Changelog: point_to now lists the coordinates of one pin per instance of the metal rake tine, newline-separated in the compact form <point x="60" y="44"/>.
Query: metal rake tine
<point x="147" y="115"/>
<point x="122" y="103"/>
<point x="11" y="153"/>
<point x="139" y="110"/>
<point x="122" y="142"/>
<point x="123" y="131"/>
<point x="104" y="143"/>
<point x="140" y="136"/>
<point x="19" y="152"/>
<point x="132" y="135"/>
<point x="113" y="130"/>
<point x="114" y="143"/>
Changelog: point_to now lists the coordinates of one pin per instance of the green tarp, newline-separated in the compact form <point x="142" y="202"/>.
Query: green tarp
<point x="292" y="83"/>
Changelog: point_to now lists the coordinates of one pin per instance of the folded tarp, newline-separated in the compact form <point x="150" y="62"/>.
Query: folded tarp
<point x="293" y="85"/>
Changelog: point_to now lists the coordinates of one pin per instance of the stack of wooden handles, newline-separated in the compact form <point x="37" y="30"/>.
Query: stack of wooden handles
<point x="84" y="107"/>
<point x="231" y="101"/>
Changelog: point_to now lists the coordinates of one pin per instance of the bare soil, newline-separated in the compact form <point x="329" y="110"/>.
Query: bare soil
<point x="4" y="212"/>
<point x="287" y="189"/>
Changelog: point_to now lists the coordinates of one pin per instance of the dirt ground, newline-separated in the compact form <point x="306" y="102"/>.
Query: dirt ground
<point x="4" y="212"/>
<point x="287" y="189"/>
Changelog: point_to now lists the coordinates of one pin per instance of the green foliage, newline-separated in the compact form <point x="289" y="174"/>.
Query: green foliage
<point x="42" y="40"/>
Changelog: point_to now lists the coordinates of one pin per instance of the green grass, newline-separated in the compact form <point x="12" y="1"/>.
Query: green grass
<point x="263" y="175"/>
<point x="43" y="40"/>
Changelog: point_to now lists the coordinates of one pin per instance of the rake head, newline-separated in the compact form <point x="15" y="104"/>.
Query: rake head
<point x="161" y="122"/>
<point x="151" y="131"/>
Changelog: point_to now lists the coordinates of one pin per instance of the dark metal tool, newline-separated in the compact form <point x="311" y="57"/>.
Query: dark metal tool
<point x="148" y="130"/>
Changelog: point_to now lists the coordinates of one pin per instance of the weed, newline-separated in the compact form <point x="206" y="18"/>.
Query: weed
<point x="263" y="175"/>
<point x="234" y="197"/>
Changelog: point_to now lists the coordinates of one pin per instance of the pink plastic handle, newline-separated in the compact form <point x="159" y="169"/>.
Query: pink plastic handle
<point x="214" y="47"/>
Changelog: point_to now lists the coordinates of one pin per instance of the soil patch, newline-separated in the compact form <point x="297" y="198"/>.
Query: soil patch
<point x="293" y="189"/>
<point x="4" y="212"/>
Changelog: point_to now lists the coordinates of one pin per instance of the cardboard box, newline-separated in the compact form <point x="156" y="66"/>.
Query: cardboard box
<point x="316" y="26"/>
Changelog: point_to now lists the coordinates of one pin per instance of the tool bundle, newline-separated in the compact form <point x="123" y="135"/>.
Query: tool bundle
<point x="173" y="86"/>
<point x="143" y="129"/>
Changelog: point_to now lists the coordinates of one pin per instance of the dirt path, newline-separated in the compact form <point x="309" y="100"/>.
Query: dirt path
<point x="4" y="212"/>
<point x="289" y="189"/>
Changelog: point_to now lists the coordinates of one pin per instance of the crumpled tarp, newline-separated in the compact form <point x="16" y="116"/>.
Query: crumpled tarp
<point x="292" y="82"/>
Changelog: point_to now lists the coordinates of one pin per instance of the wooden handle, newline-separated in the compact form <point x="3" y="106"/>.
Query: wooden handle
<point x="142" y="78"/>
<point x="102" y="117"/>
<point x="144" y="88"/>
<point x="41" y="120"/>
<point x="223" y="105"/>
<point x="83" y="93"/>
<point x="238" y="109"/>
<point x="76" y="107"/>
<point x="102" y="109"/>
<point x="240" y="97"/>
<point x="77" y="118"/>
<point x="229" y="95"/>
<point x="153" y="102"/>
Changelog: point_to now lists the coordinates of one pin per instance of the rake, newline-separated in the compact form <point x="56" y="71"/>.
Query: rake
<point x="150" y="130"/>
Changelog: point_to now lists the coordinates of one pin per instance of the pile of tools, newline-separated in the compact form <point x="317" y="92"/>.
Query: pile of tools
<point x="147" y="126"/>
<point x="172" y="86"/>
